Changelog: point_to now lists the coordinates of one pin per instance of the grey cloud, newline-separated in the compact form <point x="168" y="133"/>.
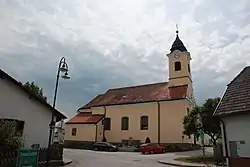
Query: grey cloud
<point x="121" y="44"/>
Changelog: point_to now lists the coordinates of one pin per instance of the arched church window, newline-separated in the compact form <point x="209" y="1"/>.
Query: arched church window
<point x="125" y="123"/>
<point x="188" y="67"/>
<point x="144" y="122"/>
<point x="107" y="123"/>
<point x="177" y="66"/>
<point x="73" y="131"/>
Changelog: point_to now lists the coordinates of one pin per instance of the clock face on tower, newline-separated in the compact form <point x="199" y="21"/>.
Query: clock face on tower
<point x="176" y="55"/>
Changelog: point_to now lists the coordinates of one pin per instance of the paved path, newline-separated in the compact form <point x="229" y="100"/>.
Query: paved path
<point x="87" y="158"/>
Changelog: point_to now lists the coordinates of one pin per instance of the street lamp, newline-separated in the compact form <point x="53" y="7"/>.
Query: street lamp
<point x="63" y="67"/>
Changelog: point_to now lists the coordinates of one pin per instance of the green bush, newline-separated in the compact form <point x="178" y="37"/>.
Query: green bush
<point x="9" y="138"/>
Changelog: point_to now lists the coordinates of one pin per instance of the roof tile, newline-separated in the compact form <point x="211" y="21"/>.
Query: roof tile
<point x="237" y="96"/>
<point x="137" y="94"/>
<point x="85" y="118"/>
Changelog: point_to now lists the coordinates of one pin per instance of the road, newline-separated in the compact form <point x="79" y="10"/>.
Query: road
<point x="87" y="158"/>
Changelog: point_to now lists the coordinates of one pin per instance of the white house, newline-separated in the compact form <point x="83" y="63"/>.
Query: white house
<point x="33" y="114"/>
<point x="59" y="133"/>
<point x="234" y="110"/>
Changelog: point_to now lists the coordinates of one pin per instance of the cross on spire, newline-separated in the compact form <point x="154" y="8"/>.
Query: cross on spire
<point x="177" y="31"/>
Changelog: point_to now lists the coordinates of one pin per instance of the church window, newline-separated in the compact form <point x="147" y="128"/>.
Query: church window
<point x="188" y="112"/>
<point x="144" y="123"/>
<point x="177" y="66"/>
<point x="73" y="132"/>
<point x="125" y="123"/>
<point x="188" y="67"/>
<point x="107" y="123"/>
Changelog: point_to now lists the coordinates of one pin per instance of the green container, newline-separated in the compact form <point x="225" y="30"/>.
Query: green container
<point x="27" y="158"/>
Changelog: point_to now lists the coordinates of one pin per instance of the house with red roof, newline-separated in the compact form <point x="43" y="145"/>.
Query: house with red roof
<point x="134" y="113"/>
<point x="234" y="111"/>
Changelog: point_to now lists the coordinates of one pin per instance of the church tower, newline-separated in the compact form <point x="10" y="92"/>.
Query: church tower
<point x="179" y="66"/>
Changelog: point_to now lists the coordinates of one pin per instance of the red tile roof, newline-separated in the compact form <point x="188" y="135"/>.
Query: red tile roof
<point x="138" y="94"/>
<point x="96" y="100"/>
<point x="85" y="118"/>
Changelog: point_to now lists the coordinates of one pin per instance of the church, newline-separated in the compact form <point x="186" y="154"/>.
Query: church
<point x="154" y="111"/>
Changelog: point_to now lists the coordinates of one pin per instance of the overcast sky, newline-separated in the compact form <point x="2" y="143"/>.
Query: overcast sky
<point x="115" y="43"/>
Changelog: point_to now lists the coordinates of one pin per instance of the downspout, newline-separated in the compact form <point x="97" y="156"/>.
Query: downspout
<point x="225" y="140"/>
<point x="159" y="129"/>
<point x="96" y="132"/>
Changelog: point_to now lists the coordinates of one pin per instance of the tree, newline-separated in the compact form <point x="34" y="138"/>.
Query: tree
<point x="189" y="123"/>
<point x="211" y="123"/>
<point x="9" y="138"/>
<point x="35" y="89"/>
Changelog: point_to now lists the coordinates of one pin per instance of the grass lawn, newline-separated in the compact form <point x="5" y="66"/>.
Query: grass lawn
<point x="197" y="159"/>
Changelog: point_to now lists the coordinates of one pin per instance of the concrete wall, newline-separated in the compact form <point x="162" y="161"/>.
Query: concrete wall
<point x="85" y="132"/>
<point x="237" y="129"/>
<point x="16" y="104"/>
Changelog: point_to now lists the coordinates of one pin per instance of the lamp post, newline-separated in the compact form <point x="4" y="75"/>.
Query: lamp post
<point x="63" y="67"/>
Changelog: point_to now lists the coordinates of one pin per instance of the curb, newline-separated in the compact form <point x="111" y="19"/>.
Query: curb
<point x="67" y="163"/>
<point x="175" y="164"/>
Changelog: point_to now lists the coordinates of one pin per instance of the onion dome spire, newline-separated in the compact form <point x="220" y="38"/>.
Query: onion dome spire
<point x="178" y="45"/>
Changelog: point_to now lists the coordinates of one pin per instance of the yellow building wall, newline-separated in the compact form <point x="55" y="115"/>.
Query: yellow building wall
<point x="85" y="110"/>
<point x="185" y="60"/>
<point x="85" y="132"/>
<point x="134" y="112"/>
<point x="171" y="121"/>
<point x="98" y="110"/>
<point x="99" y="131"/>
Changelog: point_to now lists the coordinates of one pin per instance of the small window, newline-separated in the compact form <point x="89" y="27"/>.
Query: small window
<point x="144" y="123"/>
<point x="73" y="132"/>
<point x="107" y="123"/>
<point x="125" y="123"/>
<point x="188" y="112"/>
<point x="188" y="67"/>
<point x="177" y="66"/>
<point x="19" y="125"/>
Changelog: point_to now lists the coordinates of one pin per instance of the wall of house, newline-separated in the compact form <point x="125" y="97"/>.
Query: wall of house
<point x="85" y="132"/>
<point x="237" y="129"/>
<point x="99" y="131"/>
<point x="185" y="60"/>
<point x="16" y="104"/>
<point x="98" y="110"/>
<point x="171" y="121"/>
<point x="85" y="110"/>
<point x="134" y="112"/>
